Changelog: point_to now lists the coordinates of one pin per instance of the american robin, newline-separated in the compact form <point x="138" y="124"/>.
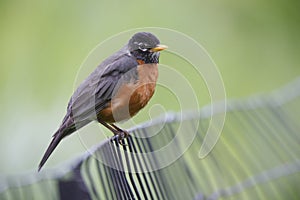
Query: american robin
<point x="116" y="90"/>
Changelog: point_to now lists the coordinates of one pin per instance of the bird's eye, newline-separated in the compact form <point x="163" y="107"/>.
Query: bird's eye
<point x="142" y="47"/>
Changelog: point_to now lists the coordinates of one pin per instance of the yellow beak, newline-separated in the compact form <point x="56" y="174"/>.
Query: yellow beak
<point x="159" y="47"/>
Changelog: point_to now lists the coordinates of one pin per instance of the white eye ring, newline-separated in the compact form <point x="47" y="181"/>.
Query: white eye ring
<point x="142" y="49"/>
<point x="142" y="46"/>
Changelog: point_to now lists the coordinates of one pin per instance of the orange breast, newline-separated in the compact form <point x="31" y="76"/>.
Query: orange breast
<point x="133" y="96"/>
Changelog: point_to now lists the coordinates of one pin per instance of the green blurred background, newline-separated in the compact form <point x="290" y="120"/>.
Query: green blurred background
<point x="255" y="44"/>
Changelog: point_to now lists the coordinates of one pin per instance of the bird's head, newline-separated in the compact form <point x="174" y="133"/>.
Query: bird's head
<point x="146" y="47"/>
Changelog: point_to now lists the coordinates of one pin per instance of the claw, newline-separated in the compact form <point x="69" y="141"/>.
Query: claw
<point x="121" y="136"/>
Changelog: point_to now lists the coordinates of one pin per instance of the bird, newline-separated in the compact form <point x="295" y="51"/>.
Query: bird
<point x="115" y="91"/>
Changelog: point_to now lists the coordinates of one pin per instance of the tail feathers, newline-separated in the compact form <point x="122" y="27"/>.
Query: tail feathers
<point x="55" y="141"/>
<point x="65" y="129"/>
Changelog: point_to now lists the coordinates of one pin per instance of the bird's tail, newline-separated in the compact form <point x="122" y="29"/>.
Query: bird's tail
<point x="55" y="141"/>
<point x="64" y="130"/>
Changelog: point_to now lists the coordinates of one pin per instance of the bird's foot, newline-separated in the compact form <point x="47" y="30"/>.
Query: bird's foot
<point x="120" y="135"/>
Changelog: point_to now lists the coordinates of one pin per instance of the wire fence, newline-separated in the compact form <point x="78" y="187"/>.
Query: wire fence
<point x="256" y="157"/>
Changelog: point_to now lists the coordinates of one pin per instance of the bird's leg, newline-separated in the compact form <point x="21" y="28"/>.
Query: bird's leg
<point x="115" y="130"/>
<point x="122" y="134"/>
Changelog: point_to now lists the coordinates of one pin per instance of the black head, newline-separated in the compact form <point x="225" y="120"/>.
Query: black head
<point x="145" y="46"/>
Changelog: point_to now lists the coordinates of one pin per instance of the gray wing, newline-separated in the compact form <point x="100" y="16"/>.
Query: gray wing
<point x="97" y="90"/>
